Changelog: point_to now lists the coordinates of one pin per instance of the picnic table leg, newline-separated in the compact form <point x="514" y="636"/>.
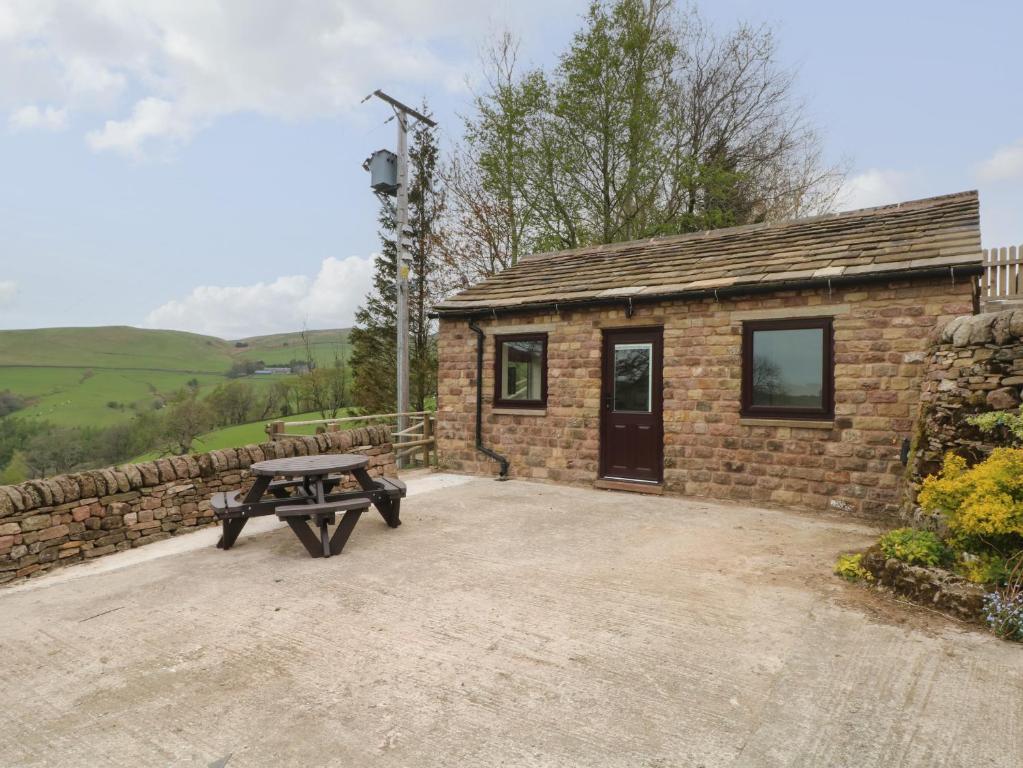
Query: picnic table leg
<point x="231" y="528"/>
<point x="324" y="536"/>
<point x="386" y="506"/>
<point x="258" y="489"/>
<point x="306" y="536"/>
<point x="344" y="530"/>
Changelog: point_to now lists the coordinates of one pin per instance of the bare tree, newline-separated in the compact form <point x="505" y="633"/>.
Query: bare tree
<point x="324" y="388"/>
<point x="747" y="147"/>
<point x="766" y="378"/>
<point x="490" y="220"/>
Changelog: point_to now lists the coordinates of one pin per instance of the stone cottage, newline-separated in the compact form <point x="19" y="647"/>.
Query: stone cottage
<point x="773" y="363"/>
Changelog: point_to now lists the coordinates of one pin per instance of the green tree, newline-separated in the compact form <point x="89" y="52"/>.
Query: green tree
<point x="280" y="399"/>
<point x="123" y="442"/>
<point x="373" y="335"/>
<point x="57" y="451"/>
<point x="16" y="471"/>
<point x="15" y="434"/>
<point x="608" y="139"/>
<point x="185" y="419"/>
<point x="325" y="389"/>
<point x="231" y="403"/>
<point x="651" y="123"/>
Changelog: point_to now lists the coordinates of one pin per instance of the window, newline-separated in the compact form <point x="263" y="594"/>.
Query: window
<point x="521" y="371"/>
<point x="788" y="369"/>
<point x="632" y="377"/>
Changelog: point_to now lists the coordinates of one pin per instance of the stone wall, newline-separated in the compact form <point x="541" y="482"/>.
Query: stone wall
<point x="934" y="587"/>
<point x="975" y="365"/>
<point x="883" y="332"/>
<point x="69" y="518"/>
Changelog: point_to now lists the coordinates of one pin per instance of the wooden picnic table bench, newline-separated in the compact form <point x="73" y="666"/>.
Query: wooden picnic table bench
<point x="323" y="515"/>
<point x="309" y="482"/>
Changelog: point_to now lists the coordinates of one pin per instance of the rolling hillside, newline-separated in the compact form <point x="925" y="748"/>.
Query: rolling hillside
<point x="93" y="376"/>
<point x="282" y="347"/>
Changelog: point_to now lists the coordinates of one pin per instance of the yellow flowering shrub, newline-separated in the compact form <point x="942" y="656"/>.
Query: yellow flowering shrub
<point x="985" y="500"/>
<point x="850" y="569"/>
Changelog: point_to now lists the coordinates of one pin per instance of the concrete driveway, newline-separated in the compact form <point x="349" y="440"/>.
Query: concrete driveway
<point x="505" y="624"/>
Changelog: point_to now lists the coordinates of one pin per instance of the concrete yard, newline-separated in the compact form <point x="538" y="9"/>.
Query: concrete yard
<point x="504" y="624"/>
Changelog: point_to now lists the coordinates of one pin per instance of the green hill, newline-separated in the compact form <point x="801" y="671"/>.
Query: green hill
<point x="97" y="376"/>
<point x="116" y="347"/>
<point x="284" y="347"/>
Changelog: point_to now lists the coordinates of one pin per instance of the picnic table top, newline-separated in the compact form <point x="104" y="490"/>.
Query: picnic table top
<point x="300" y="466"/>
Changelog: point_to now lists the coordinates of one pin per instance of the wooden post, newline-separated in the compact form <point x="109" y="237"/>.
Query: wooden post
<point x="275" y="429"/>
<point x="428" y="434"/>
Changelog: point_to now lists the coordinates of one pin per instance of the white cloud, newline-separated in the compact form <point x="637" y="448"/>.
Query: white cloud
<point x="1006" y="163"/>
<point x="186" y="63"/>
<point x="151" y="118"/>
<point x="30" y="116"/>
<point x="328" y="300"/>
<point x="873" y="187"/>
<point x="8" y="290"/>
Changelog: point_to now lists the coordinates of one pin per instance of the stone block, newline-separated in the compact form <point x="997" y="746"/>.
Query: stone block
<point x="1002" y="399"/>
<point x="36" y="522"/>
<point x="53" y="533"/>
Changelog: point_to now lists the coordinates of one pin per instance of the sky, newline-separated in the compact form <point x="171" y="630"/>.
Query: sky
<point x="196" y="165"/>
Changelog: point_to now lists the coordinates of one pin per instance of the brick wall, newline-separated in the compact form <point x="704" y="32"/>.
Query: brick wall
<point x="882" y="336"/>
<point x="65" y="519"/>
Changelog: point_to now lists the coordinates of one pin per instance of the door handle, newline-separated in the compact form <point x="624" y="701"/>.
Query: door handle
<point x="607" y="402"/>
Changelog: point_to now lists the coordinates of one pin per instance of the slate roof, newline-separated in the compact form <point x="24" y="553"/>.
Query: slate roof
<point x="917" y="238"/>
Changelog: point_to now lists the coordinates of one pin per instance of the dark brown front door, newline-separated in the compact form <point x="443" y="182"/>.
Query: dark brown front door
<point x="631" y="434"/>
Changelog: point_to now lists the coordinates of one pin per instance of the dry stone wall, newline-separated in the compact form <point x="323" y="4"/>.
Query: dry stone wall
<point x="49" y="523"/>
<point x="976" y="365"/>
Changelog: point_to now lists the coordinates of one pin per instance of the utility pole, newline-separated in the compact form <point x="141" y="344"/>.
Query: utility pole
<point x="403" y="265"/>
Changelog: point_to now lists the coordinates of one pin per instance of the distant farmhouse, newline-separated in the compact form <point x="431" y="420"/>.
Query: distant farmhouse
<point x="775" y="363"/>
<point x="270" y="371"/>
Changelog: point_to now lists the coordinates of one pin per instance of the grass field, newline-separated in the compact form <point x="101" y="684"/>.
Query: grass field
<point x="244" y="434"/>
<point x="282" y="347"/>
<point x="69" y="375"/>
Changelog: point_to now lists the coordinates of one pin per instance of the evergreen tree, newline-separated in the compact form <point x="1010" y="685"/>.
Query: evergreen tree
<point x="373" y="339"/>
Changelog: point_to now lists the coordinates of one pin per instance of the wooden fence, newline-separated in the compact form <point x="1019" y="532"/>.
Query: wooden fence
<point x="416" y="443"/>
<point x="1002" y="281"/>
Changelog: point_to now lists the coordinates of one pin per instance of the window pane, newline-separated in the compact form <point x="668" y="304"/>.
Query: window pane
<point x="632" y="377"/>
<point x="521" y="370"/>
<point x="788" y="368"/>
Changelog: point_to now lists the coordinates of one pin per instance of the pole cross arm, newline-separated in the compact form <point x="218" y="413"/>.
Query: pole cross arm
<point x="404" y="108"/>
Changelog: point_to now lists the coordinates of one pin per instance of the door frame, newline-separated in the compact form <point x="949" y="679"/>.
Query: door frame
<point x="654" y="333"/>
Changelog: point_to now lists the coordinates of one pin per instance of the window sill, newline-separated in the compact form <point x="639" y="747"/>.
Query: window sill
<point x="519" y="411"/>
<point x="756" y="421"/>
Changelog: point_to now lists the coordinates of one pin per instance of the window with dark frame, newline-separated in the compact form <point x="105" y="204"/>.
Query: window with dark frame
<point x="520" y="371"/>
<point x="788" y="369"/>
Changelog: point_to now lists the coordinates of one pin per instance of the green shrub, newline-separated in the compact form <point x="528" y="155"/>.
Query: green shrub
<point x="850" y="569"/>
<point x="991" y="421"/>
<point x="983" y="568"/>
<point x="913" y="546"/>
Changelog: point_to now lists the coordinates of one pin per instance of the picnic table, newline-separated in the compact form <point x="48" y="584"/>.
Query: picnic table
<point x="301" y="491"/>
